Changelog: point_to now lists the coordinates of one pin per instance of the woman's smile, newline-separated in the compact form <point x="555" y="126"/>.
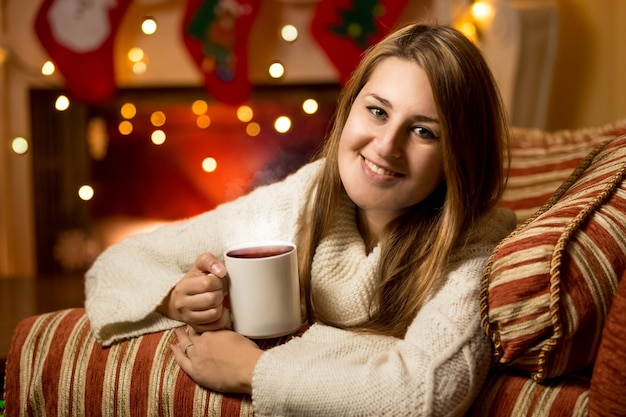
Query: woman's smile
<point x="372" y="168"/>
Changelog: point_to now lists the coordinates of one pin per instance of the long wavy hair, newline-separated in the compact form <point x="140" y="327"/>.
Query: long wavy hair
<point x="416" y="246"/>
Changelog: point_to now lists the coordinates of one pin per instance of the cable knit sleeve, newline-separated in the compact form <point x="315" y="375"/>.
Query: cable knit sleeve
<point x="130" y="279"/>
<point x="435" y="370"/>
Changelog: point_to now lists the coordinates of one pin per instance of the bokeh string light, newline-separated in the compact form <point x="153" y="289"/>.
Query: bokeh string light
<point x="62" y="103"/>
<point x="128" y="111"/>
<point x="310" y="106"/>
<point x="475" y="19"/>
<point x="209" y="164"/>
<point x="149" y="26"/>
<point x="158" y="137"/>
<point x="157" y="118"/>
<point x="138" y="60"/>
<point x="289" y="33"/>
<point x="86" y="192"/>
<point x="253" y="129"/>
<point x="125" y="127"/>
<point x="19" y="145"/>
<point x="282" y="124"/>
<point x="244" y="113"/>
<point x="276" y="70"/>
<point x="48" y="68"/>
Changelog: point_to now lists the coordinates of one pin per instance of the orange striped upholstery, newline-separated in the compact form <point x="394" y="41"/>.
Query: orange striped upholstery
<point x="510" y="394"/>
<point x="548" y="286"/>
<point x="56" y="368"/>
<point x="541" y="161"/>
<point x="606" y="392"/>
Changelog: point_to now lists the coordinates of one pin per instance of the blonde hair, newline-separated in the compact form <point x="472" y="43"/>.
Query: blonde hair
<point x="416" y="246"/>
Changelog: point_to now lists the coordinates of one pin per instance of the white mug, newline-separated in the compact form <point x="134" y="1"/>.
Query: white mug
<point x="263" y="288"/>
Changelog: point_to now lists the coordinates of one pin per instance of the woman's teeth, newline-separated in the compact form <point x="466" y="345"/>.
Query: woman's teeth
<point x="378" y="170"/>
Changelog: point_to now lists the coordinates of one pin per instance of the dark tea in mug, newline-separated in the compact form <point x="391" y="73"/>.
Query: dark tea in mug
<point x="259" y="251"/>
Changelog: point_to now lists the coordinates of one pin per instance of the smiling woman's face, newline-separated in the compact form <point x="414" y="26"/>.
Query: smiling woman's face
<point x="390" y="155"/>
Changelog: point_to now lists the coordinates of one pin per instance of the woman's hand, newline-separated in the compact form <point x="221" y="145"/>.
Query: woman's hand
<point x="221" y="361"/>
<point x="197" y="299"/>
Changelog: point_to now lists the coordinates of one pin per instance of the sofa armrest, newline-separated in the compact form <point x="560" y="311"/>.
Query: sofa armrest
<point x="507" y="393"/>
<point x="56" y="367"/>
<point x="606" y="394"/>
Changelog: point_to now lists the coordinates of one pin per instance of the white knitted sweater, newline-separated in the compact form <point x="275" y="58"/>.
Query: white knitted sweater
<point x="436" y="370"/>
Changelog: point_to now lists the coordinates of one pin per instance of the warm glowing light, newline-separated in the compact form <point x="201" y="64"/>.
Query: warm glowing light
<point x="253" y="129"/>
<point x="118" y="229"/>
<point x="140" y="68"/>
<point x="19" y="145"/>
<point x="97" y="138"/>
<point x="135" y="54"/>
<point x="128" y="110"/>
<point x="125" y="127"/>
<point x="276" y="70"/>
<point x="289" y="33"/>
<point x="157" y="118"/>
<point x="85" y="192"/>
<point x="482" y="11"/>
<point x="48" y="68"/>
<point x="199" y="107"/>
<point x="158" y="137"/>
<point x="209" y="164"/>
<point x="148" y="26"/>
<point x="468" y="29"/>
<point x="203" y="121"/>
<point x="309" y="106"/>
<point x="244" y="113"/>
<point x="62" y="103"/>
<point x="282" y="124"/>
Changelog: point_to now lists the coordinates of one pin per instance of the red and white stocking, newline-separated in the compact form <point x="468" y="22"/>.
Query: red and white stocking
<point x="79" y="37"/>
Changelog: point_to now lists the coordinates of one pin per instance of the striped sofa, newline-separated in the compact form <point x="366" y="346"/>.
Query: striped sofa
<point x="552" y="301"/>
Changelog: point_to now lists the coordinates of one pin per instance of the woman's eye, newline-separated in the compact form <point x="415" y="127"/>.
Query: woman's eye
<point x="424" y="133"/>
<point x="377" y="112"/>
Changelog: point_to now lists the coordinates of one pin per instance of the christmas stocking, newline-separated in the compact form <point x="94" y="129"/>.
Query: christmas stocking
<point x="216" y="36"/>
<point x="345" y="28"/>
<point x="79" y="37"/>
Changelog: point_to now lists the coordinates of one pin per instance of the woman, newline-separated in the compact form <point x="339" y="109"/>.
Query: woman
<point x="393" y="223"/>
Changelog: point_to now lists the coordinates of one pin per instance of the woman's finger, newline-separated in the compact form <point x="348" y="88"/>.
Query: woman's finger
<point x="204" y="301"/>
<point x="209" y="263"/>
<point x="183" y="335"/>
<point x="182" y="348"/>
<point x="198" y="283"/>
<point x="181" y="359"/>
<point x="192" y="333"/>
<point x="224" y="322"/>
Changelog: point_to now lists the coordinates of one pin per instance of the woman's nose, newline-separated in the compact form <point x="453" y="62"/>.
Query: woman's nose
<point x="388" y="143"/>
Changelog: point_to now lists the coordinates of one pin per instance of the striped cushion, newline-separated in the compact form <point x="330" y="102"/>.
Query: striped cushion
<point x="541" y="161"/>
<point x="547" y="288"/>
<point x="509" y="394"/>
<point x="56" y="367"/>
